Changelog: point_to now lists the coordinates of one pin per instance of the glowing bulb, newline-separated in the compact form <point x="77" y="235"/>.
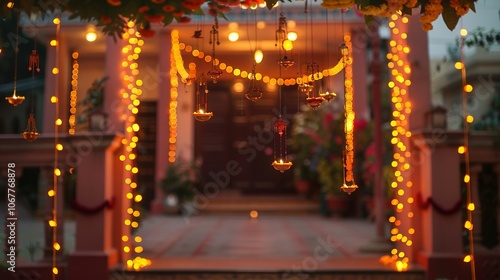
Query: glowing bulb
<point x="51" y="193"/>
<point x="292" y="36"/>
<point x="233" y="36"/>
<point x="57" y="247"/>
<point x="91" y="36"/>
<point x="287" y="45"/>
<point x="258" y="56"/>
<point x="467" y="258"/>
<point x="471" y="207"/>
<point x="463" y="32"/>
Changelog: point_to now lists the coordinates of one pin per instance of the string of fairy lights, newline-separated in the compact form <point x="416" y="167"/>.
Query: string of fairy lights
<point x="400" y="70"/>
<point x="73" y="95"/>
<point x="130" y="97"/>
<point x="58" y="147"/>
<point x="464" y="149"/>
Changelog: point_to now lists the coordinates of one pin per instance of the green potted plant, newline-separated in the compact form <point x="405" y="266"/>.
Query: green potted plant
<point x="181" y="178"/>
<point x="92" y="113"/>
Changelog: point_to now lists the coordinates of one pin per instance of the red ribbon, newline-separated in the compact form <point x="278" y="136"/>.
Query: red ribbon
<point x="91" y="211"/>
<point x="440" y="209"/>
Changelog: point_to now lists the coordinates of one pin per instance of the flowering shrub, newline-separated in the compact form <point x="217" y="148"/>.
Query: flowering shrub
<point x="114" y="14"/>
<point x="430" y="10"/>
<point x="318" y="143"/>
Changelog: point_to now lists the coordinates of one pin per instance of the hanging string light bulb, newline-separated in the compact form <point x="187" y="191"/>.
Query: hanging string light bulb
<point x="254" y="93"/>
<point x="284" y="43"/>
<point x="215" y="71"/>
<point x="15" y="99"/>
<point x="201" y="114"/>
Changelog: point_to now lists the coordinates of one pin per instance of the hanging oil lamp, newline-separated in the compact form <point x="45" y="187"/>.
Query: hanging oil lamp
<point x="31" y="133"/>
<point x="215" y="71"/>
<point x="201" y="114"/>
<point x="313" y="99"/>
<point x="328" y="96"/>
<point x="254" y="93"/>
<point x="280" y="162"/>
<point x="285" y="45"/>
<point x="15" y="99"/>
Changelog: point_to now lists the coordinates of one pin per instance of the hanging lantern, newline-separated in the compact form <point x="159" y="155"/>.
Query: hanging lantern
<point x="214" y="72"/>
<point x="280" y="162"/>
<point x="254" y="93"/>
<point x="284" y="43"/>
<point x="34" y="61"/>
<point x="201" y="114"/>
<point x="31" y="134"/>
<point x="15" y="99"/>
<point x="328" y="96"/>
<point x="313" y="99"/>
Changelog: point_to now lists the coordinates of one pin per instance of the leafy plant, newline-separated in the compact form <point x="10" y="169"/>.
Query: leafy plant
<point x="181" y="177"/>
<point x="94" y="99"/>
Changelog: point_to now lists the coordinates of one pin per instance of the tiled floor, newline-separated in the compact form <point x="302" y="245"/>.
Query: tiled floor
<point x="271" y="242"/>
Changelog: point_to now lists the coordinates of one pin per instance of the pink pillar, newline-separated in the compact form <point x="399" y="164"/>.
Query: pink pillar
<point x="116" y="108"/>
<point x="440" y="235"/>
<point x="94" y="253"/>
<point x="162" y="134"/>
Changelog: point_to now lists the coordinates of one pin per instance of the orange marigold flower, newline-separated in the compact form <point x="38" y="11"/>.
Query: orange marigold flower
<point x="154" y="18"/>
<point x="114" y="2"/>
<point x="184" y="19"/>
<point x="146" y="32"/>
<point x="143" y="9"/>
<point x="168" y="8"/>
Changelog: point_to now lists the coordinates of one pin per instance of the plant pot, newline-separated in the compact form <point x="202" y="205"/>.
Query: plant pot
<point x="338" y="204"/>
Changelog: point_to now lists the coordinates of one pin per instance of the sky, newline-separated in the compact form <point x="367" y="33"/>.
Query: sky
<point x="487" y="16"/>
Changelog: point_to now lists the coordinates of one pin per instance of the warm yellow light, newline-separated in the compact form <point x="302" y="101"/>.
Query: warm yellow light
<point x="126" y="249"/>
<point x="467" y="258"/>
<point x="55" y="270"/>
<point x="57" y="247"/>
<point x="10" y="5"/>
<point x="287" y="45"/>
<point x="134" y="224"/>
<point x="91" y="36"/>
<point x="138" y="249"/>
<point x="59" y="147"/>
<point x="138" y="198"/>
<point x="55" y="70"/>
<point x="138" y="239"/>
<point x="471" y="207"/>
<point x="53" y="43"/>
<point x="258" y="56"/>
<point x="129" y="195"/>
<point x="468" y="225"/>
<point x="461" y="149"/>
<point x="463" y="32"/>
<point x="233" y="36"/>
<point x="56" y="21"/>
<point x="468" y="88"/>
<point x="292" y="36"/>
<point x="254" y="214"/>
<point x="51" y="193"/>
<point x="58" y="122"/>
<point x="470" y="119"/>
<point x="52" y="223"/>
<point x="466" y="178"/>
<point x="57" y="172"/>
<point x="458" y="65"/>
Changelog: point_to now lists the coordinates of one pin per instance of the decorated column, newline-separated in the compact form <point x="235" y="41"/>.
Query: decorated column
<point x="94" y="253"/>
